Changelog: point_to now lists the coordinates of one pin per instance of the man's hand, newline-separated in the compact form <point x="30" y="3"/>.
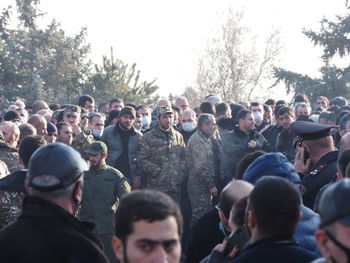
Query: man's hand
<point x="217" y="255"/>
<point x="213" y="191"/>
<point x="76" y="129"/>
<point x="299" y="164"/>
<point x="252" y="144"/>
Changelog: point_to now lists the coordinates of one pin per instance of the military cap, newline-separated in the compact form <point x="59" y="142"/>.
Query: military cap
<point x="97" y="147"/>
<point x="333" y="202"/>
<point x="164" y="110"/>
<point x="55" y="166"/>
<point x="72" y="110"/>
<point x="310" y="130"/>
<point x="127" y="110"/>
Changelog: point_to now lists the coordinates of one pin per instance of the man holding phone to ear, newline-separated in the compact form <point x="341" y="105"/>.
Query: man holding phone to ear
<point x="316" y="158"/>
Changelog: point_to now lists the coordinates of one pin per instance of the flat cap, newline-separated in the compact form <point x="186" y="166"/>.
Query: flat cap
<point x="311" y="131"/>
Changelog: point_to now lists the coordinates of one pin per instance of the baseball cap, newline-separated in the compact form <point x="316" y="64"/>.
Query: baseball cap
<point x="97" y="147"/>
<point x="334" y="203"/>
<point x="164" y="110"/>
<point x="55" y="166"/>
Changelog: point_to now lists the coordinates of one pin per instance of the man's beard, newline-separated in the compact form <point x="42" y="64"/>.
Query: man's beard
<point x="124" y="127"/>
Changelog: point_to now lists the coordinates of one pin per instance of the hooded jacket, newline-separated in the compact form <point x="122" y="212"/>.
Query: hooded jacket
<point x="277" y="164"/>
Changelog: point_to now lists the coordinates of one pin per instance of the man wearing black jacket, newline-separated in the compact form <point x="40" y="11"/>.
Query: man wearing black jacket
<point x="47" y="230"/>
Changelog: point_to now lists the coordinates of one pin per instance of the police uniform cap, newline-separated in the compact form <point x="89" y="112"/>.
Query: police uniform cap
<point x="55" y="166"/>
<point x="164" y="110"/>
<point x="311" y="131"/>
<point x="97" y="147"/>
<point x="333" y="202"/>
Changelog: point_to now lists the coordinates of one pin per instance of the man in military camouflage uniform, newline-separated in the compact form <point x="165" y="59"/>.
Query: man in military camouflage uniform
<point x="94" y="132"/>
<point x="12" y="189"/>
<point x="162" y="156"/>
<point x="71" y="114"/>
<point x="9" y="155"/>
<point x="201" y="165"/>
<point x="103" y="186"/>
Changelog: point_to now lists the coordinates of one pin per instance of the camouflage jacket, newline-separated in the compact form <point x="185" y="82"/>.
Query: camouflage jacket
<point x="9" y="155"/>
<point x="12" y="192"/>
<point x="201" y="161"/>
<point x="102" y="190"/>
<point x="162" y="156"/>
<point x="82" y="142"/>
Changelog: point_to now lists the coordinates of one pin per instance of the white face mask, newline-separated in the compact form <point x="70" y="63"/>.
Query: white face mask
<point x="188" y="126"/>
<point x="257" y="116"/>
<point x="97" y="133"/>
<point x="146" y="121"/>
<point x="18" y="123"/>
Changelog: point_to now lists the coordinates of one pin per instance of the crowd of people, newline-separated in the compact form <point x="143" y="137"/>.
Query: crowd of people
<point x="210" y="183"/>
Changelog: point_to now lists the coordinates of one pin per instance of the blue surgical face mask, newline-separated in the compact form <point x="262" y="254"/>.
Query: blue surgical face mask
<point x="146" y="121"/>
<point x="97" y="133"/>
<point x="18" y="123"/>
<point x="188" y="126"/>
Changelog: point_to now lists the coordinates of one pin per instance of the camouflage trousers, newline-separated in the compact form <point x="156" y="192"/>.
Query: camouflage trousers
<point x="200" y="204"/>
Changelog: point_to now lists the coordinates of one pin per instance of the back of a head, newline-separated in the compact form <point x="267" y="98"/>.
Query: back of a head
<point x="271" y="164"/>
<point x="233" y="191"/>
<point x="28" y="146"/>
<point x="36" y="120"/>
<point x="235" y="108"/>
<point x="222" y="108"/>
<point x="144" y="205"/>
<point x="276" y="204"/>
<point x="39" y="105"/>
<point x="301" y="98"/>
<point x="207" y="107"/>
<point x="245" y="162"/>
<point x="25" y="130"/>
<point x="54" y="166"/>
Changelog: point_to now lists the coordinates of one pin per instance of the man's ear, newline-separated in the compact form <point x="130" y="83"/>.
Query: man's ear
<point x="322" y="241"/>
<point x="251" y="220"/>
<point x="118" y="248"/>
<point x="78" y="192"/>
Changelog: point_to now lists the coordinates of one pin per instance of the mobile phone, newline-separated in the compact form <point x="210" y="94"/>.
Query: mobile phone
<point x="236" y="239"/>
<point x="306" y="154"/>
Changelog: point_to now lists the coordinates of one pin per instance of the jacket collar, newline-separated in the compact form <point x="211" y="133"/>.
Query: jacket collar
<point x="117" y="129"/>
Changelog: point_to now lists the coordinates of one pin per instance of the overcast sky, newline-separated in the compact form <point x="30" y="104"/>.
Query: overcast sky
<point x="166" y="38"/>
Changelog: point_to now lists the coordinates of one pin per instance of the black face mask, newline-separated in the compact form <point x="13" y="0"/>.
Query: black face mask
<point x="339" y="245"/>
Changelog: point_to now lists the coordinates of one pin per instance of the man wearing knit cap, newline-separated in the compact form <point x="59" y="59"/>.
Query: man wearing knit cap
<point x="52" y="133"/>
<point x="122" y="141"/>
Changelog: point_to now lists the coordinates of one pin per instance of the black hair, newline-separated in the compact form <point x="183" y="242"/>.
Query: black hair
<point x="245" y="162"/>
<point x="281" y="102"/>
<point x="235" y="108"/>
<point x="254" y="104"/>
<point x="284" y="110"/>
<point x="61" y="124"/>
<point x="83" y="99"/>
<point x="275" y="203"/>
<point x="242" y="114"/>
<point x="207" y="107"/>
<point x="144" y="205"/>
<point x="28" y="146"/>
<point x="270" y="102"/>
<point x="222" y="108"/>
<point x="301" y="98"/>
<point x="115" y="100"/>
